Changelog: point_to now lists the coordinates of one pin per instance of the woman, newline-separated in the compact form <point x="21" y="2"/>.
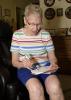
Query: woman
<point x="30" y="45"/>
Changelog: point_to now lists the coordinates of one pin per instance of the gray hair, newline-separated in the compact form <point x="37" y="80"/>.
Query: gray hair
<point x="32" y="9"/>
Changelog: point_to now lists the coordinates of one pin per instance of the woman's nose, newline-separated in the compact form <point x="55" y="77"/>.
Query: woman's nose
<point x="35" y="27"/>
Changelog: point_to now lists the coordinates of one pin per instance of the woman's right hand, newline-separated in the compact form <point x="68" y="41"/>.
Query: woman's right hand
<point x="27" y="63"/>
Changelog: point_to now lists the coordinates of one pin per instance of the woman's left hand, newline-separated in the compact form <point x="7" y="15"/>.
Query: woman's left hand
<point x="54" y="67"/>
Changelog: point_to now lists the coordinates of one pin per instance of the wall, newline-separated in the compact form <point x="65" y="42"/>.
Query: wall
<point x="11" y="5"/>
<point x="56" y="22"/>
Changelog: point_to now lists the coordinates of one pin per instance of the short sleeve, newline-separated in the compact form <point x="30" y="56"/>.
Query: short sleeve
<point x="15" y="42"/>
<point x="47" y="40"/>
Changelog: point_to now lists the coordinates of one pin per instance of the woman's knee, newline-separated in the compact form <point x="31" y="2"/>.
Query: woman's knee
<point x="34" y="86"/>
<point x="52" y="84"/>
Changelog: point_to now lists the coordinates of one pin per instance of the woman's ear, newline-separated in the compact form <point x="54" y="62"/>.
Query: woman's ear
<point x="25" y="22"/>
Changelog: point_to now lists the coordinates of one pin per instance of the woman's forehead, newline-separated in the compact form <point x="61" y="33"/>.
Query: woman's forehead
<point x="33" y="17"/>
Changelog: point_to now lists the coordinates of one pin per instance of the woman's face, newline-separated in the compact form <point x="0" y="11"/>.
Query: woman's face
<point x="33" y="23"/>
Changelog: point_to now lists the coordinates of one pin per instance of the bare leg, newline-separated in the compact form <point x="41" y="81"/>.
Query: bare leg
<point x="35" y="89"/>
<point x="53" y="88"/>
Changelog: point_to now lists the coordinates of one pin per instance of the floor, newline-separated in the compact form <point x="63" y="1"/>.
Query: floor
<point x="66" y="85"/>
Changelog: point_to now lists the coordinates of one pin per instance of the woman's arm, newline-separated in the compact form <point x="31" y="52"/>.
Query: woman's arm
<point x="53" y="60"/>
<point x="52" y="57"/>
<point x="26" y="63"/>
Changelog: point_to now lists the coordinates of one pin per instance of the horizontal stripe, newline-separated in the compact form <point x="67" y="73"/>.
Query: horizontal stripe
<point x="12" y="46"/>
<point x="31" y="40"/>
<point x="44" y="63"/>
<point x="33" y="52"/>
<point x="34" y="45"/>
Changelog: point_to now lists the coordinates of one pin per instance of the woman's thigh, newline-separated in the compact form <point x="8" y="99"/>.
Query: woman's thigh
<point x="29" y="80"/>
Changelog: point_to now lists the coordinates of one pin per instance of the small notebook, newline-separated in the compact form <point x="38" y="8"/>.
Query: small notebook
<point x="37" y="69"/>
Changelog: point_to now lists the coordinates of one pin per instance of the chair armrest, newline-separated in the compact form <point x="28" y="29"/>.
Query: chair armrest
<point x="4" y="75"/>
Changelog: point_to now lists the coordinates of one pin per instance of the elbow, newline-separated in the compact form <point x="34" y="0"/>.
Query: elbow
<point x="14" y="64"/>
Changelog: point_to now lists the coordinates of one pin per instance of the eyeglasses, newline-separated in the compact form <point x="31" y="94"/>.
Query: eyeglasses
<point x="33" y="24"/>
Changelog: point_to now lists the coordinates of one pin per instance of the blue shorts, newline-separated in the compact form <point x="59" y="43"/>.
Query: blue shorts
<point x="25" y="74"/>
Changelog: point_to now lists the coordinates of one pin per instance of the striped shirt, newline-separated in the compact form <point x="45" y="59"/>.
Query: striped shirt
<point x="35" y="46"/>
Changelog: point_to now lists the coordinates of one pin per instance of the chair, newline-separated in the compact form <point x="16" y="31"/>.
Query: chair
<point x="10" y="87"/>
<point x="6" y="74"/>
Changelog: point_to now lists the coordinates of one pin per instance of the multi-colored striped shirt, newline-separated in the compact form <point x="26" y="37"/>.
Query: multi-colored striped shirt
<point x="36" y="46"/>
